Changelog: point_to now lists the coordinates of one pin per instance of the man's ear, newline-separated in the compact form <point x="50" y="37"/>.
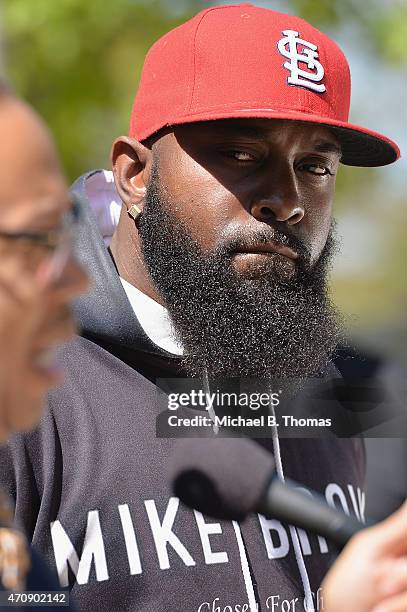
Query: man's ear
<point x="131" y="163"/>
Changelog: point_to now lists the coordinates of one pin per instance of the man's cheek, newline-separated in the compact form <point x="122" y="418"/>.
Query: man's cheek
<point x="202" y="226"/>
<point x="318" y="236"/>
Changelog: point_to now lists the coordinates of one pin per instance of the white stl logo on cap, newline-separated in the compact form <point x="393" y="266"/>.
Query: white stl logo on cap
<point x="309" y="56"/>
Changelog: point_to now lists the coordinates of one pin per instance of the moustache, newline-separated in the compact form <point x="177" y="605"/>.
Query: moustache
<point x="244" y="240"/>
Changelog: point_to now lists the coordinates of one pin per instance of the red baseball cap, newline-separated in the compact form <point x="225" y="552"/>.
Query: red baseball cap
<point x="244" y="61"/>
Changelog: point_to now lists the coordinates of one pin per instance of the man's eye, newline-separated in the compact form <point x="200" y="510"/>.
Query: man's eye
<point x="317" y="169"/>
<point x="242" y="156"/>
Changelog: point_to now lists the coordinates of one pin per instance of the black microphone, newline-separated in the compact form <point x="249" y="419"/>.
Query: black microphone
<point x="229" y="478"/>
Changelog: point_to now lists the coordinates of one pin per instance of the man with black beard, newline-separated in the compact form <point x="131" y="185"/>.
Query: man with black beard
<point x="217" y="268"/>
<point x="275" y="322"/>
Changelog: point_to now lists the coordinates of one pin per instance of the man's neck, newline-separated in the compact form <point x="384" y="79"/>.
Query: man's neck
<point x="128" y="258"/>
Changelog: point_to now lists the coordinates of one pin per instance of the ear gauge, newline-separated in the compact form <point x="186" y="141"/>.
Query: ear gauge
<point x="134" y="212"/>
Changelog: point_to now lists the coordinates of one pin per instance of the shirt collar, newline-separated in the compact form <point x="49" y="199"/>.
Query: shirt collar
<point x="153" y="318"/>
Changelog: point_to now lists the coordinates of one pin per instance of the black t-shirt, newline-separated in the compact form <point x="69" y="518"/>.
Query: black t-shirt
<point x="91" y="492"/>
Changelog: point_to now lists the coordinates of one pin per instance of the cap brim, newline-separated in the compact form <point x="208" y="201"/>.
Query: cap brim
<point x="360" y="146"/>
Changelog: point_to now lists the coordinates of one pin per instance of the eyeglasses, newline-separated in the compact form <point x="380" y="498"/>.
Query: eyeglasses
<point x="51" y="239"/>
<point x="58" y="241"/>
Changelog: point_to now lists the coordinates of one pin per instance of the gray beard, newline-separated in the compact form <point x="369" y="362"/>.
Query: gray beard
<point x="234" y="327"/>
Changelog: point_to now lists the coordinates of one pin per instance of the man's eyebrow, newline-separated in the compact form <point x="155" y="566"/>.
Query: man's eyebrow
<point x="253" y="132"/>
<point x="328" y="147"/>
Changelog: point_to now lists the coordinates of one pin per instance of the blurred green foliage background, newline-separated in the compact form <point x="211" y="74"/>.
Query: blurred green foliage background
<point x="79" y="62"/>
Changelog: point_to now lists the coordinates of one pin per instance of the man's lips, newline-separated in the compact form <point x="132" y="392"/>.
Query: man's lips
<point x="269" y="247"/>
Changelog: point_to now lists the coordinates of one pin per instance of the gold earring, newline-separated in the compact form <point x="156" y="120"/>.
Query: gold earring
<point x="134" y="212"/>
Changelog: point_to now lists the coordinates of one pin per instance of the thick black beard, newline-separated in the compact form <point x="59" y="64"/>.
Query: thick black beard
<point x="276" y="327"/>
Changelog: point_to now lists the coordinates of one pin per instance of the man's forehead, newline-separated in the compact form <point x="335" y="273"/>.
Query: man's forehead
<point x="261" y="129"/>
<point x="30" y="177"/>
<point x="40" y="198"/>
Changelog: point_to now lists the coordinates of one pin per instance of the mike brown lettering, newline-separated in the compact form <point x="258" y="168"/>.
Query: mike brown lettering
<point x="168" y="545"/>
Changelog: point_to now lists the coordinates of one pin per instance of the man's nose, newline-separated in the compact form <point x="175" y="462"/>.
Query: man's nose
<point x="277" y="210"/>
<point x="281" y="204"/>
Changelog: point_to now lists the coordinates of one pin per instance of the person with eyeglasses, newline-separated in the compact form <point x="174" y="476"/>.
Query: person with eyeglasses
<point x="39" y="277"/>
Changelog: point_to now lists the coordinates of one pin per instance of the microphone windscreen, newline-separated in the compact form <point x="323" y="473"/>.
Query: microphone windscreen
<point x="222" y="477"/>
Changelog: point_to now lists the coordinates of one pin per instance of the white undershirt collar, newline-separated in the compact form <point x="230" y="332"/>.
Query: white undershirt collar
<point x="153" y="318"/>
